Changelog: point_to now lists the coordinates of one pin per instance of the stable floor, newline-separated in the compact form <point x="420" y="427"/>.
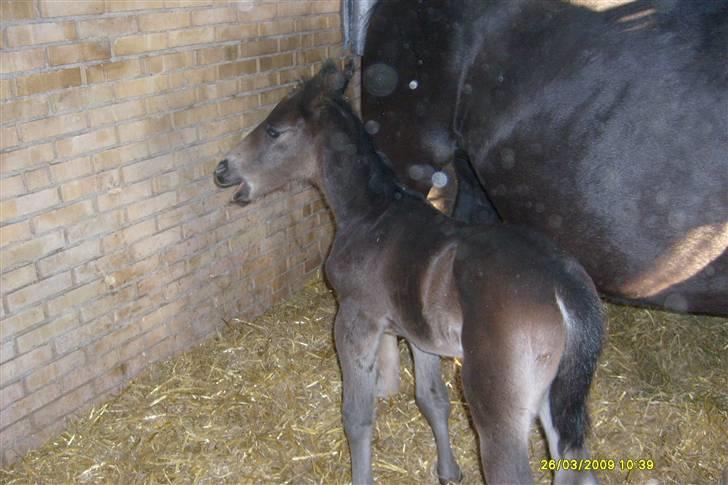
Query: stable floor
<point x="260" y="403"/>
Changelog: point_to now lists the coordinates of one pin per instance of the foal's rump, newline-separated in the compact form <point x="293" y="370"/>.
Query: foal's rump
<point x="531" y="336"/>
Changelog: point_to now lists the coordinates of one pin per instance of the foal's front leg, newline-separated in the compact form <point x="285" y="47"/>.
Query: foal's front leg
<point x="357" y="341"/>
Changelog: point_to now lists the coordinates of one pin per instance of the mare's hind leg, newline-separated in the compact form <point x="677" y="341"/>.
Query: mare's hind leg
<point x="357" y="340"/>
<point x="434" y="403"/>
<point x="388" y="366"/>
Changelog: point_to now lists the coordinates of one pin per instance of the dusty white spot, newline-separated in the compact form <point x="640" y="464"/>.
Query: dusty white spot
<point x="413" y="84"/>
<point x="439" y="179"/>
<point x="372" y="127"/>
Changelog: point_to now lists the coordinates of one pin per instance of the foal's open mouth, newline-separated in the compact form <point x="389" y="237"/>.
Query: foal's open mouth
<point x="242" y="195"/>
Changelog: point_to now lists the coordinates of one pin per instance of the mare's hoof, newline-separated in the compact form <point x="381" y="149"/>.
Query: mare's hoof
<point x="452" y="481"/>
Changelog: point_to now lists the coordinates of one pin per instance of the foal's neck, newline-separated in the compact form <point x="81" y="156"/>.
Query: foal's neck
<point x="355" y="181"/>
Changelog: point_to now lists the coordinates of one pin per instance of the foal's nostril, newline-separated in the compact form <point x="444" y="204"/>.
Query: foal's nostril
<point x="221" y="167"/>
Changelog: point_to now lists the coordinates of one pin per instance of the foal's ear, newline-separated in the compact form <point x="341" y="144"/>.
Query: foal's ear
<point x="332" y="80"/>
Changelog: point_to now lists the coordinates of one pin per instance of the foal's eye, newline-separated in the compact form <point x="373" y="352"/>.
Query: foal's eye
<point x="272" y="132"/>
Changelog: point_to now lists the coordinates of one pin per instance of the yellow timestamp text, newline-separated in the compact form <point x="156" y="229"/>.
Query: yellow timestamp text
<point x="595" y="464"/>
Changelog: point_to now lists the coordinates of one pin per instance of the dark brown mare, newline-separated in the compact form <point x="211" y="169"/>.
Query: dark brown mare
<point x="523" y="316"/>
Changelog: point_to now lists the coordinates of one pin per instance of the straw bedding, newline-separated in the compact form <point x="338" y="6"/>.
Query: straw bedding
<point x="260" y="403"/>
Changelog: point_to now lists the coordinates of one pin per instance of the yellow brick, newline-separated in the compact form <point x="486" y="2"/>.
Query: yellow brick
<point x="214" y="16"/>
<point x="12" y="187"/>
<point x="276" y="62"/>
<point x="194" y="115"/>
<point x="294" y="9"/>
<point x="259" y="12"/>
<point x="217" y="128"/>
<point x="6" y="88"/>
<point x="77" y="296"/>
<point x="235" y="32"/>
<point x="290" y="43"/>
<point x="27" y="204"/>
<point x="138" y="87"/>
<point x="60" y="172"/>
<point x="261" y="81"/>
<point x="170" y="101"/>
<point x="107" y="27"/>
<point x="325" y="6"/>
<point x="48" y="127"/>
<point x="239" y="68"/>
<point x="69" y="258"/>
<point x="32" y="250"/>
<point x="163" y="21"/>
<point x="8" y="137"/>
<point x="83" y="97"/>
<point x="39" y="291"/>
<point x="25" y="60"/>
<point x="168" y="62"/>
<point x="73" y="53"/>
<point x="12" y="280"/>
<point x="273" y="96"/>
<point x="11" y="233"/>
<point x="87" y="142"/>
<point x="48" y="81"/>
<point x="147" y="168"/>
<point x="277" y="27"/>
<point x="37" y="179"/>
<point x="108" y="222"/>
<point x="305" y="24"/>
<point x="135" y="44"/>
<point x="114" y="157"/>
<point x="58" y="8"/>
<point x="63" y="216"/>
<point x="25" y="157"/>
<point x="111" y="71"/>
<point x="173" y="140"/>
<point x="118" y="6"/>
<point x="324" y="38"/>
<point x="16" y="10"/>
<point x="193" y="77"/>
<point x="200" y="35"/>
<point x="220" y="89"/>
<point x="20" y="35"/>
<point x="20" y="322"/>
<point x="116" y="112"/>
<point x="78" y="188"/>
<point x="239" y="104"/>
<point x="310" y="56"/>
<point x="188" y="3"/>
<point x="258" y="47"/>
<point x="125" y="195"/>
<point x="23" y="109"/>
<point x="213" y="55"/>
<point x="142" y="129"/>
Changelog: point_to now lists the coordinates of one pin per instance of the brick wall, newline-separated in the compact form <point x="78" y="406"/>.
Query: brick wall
<point x="117" y="250"/>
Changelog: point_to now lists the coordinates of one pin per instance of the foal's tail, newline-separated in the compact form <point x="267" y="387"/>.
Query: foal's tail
<point x="582" y="312"/>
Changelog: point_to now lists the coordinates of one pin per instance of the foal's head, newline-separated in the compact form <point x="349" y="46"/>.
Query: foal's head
<point x="285" y="146"/>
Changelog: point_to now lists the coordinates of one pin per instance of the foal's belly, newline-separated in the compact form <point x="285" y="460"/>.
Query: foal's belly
<point x="429" y="315"/>
<point x="445" y="338"/>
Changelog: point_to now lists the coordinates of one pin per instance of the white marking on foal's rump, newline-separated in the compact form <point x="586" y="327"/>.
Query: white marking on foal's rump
<point x="566" y="317"/>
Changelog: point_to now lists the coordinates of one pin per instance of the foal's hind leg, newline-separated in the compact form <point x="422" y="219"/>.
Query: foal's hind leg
<point x="434" y="403"/>
<point x="357" y="340"/>
<point x="388" y="366"/>
<point x="562" y="476"/>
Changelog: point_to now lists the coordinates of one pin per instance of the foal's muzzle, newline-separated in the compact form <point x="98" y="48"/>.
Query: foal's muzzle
<point x="222" y="176"/>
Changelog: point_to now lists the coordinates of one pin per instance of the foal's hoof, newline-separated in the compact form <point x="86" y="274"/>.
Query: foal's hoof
<point x="452" y="481"/>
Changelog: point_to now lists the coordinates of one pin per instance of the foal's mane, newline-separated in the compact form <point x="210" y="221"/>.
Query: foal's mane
<point x="338" y="109"/>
